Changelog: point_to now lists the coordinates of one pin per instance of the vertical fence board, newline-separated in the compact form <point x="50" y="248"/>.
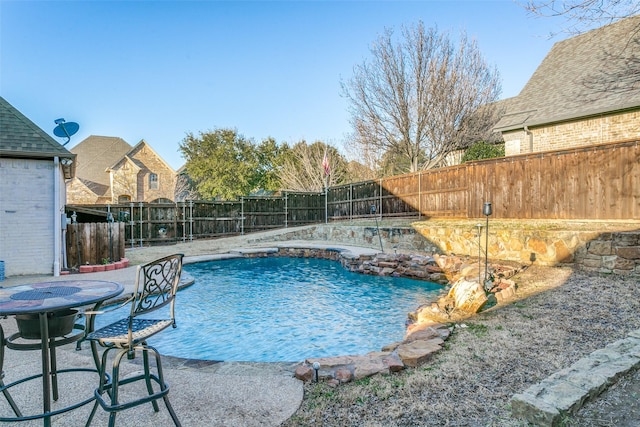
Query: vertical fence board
<point x="632" y="172"/>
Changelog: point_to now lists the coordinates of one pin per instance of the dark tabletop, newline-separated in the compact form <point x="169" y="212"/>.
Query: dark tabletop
<point x="53" y="296"/>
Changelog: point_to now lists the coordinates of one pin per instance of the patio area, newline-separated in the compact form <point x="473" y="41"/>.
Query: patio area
<point x="202" y="393"/>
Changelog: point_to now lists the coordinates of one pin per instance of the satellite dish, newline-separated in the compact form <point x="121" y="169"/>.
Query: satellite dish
<point x="65" y="129"/>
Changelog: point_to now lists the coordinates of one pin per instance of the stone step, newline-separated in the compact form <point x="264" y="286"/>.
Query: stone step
<point x="543" y="404"/>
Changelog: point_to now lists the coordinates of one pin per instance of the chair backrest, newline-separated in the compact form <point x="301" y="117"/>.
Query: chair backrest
<point x="156" y="285"/>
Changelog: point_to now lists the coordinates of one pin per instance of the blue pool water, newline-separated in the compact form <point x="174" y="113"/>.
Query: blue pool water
<point x="286" y="310"/>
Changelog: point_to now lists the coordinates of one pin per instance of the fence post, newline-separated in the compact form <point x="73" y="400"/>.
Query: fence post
<point x="286" y="209"/>
<point x="326" y="204"/>
<point x="350" y="201"/>
<point x="140" y="205"/>
<point x="381" y="210"/>
<point x="131" y="224"/>
<point x="175" y="222"/>
<point x="242" y="216"/>
<point x="191" y="220"/>
<point x="184" y="222"/>
<point x="420" y="195"/>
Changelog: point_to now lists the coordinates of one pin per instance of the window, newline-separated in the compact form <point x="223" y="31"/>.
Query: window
<point x="123" y="198"/>
<point x="153" y="181"/>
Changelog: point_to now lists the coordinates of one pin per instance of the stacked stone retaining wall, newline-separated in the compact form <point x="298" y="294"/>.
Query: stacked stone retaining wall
<point x="583" y="247"/>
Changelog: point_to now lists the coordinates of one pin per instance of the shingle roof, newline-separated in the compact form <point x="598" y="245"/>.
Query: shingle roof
<point x="557" y="90"/>
<point x="96" y="154"/>
<point x="98" y="189"/>
<point x="139" y="146"/>
<point x="20" y="137"/>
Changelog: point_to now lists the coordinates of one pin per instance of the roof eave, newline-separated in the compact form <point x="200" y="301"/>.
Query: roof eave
<point x="569" y="117"/>
<point x="35" y="155"/>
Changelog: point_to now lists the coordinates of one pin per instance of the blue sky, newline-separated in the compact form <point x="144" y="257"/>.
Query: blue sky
<point x="156" y="70"/>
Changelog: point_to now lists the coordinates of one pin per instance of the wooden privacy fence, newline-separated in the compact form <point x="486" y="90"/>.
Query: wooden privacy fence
<point x="597" y="182"/>
<point x="439" y="192"/>
<point x="594" y="182"/>
<point x="94" y="243"/>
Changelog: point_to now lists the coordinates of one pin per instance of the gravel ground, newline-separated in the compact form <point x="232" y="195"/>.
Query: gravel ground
<point x="561" y="317"/>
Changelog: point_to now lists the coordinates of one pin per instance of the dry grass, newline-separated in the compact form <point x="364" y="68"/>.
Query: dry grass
<point x="562" y="317"/>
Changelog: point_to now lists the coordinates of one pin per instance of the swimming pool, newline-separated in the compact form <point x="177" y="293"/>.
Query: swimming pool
<point x="286" y="310"/>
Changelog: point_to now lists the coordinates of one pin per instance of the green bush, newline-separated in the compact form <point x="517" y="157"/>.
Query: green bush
<point x="483" y="150"/>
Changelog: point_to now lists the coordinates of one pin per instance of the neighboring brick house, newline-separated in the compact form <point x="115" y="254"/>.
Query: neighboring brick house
<point x="573" y="98"/>
<point x="111" y="171"/>
<point x="33" y="167"/>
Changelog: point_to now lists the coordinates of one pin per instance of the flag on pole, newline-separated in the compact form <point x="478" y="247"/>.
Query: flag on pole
<point x="325" y="164"/>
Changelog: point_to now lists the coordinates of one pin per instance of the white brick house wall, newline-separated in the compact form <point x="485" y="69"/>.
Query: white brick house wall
<point x="27" y="216"/>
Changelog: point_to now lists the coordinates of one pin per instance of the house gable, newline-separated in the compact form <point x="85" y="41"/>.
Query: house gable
<point x="156" y="179"/>
<point x="124" y="179"/>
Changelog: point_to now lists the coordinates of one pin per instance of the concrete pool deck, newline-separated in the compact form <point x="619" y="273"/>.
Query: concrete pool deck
<point x="202" y="392"/>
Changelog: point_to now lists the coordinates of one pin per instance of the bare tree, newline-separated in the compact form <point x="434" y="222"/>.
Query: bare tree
<point x="364" y="154"/>
<point x="185" y="188"/>
<point x="416" y="97"/>
<point x="357" y="172"/>
<point x="583" y="15"/>
<point x="302" y="169"/>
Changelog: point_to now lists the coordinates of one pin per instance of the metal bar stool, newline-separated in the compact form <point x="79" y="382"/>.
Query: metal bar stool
<point x="156" y="286"/>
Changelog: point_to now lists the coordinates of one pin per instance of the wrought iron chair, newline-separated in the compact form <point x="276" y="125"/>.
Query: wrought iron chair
<point x="156" y="286"/>
<point x="12" y="403"/>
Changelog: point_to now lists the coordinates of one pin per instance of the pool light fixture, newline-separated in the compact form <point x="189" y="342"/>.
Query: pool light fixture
<point x="316" y="367"/>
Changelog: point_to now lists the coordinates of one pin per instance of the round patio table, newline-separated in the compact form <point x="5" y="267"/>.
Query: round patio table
<point x="42" y="299"/>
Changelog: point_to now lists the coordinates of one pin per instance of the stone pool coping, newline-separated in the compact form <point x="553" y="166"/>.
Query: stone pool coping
<point x="344" y="250"/>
